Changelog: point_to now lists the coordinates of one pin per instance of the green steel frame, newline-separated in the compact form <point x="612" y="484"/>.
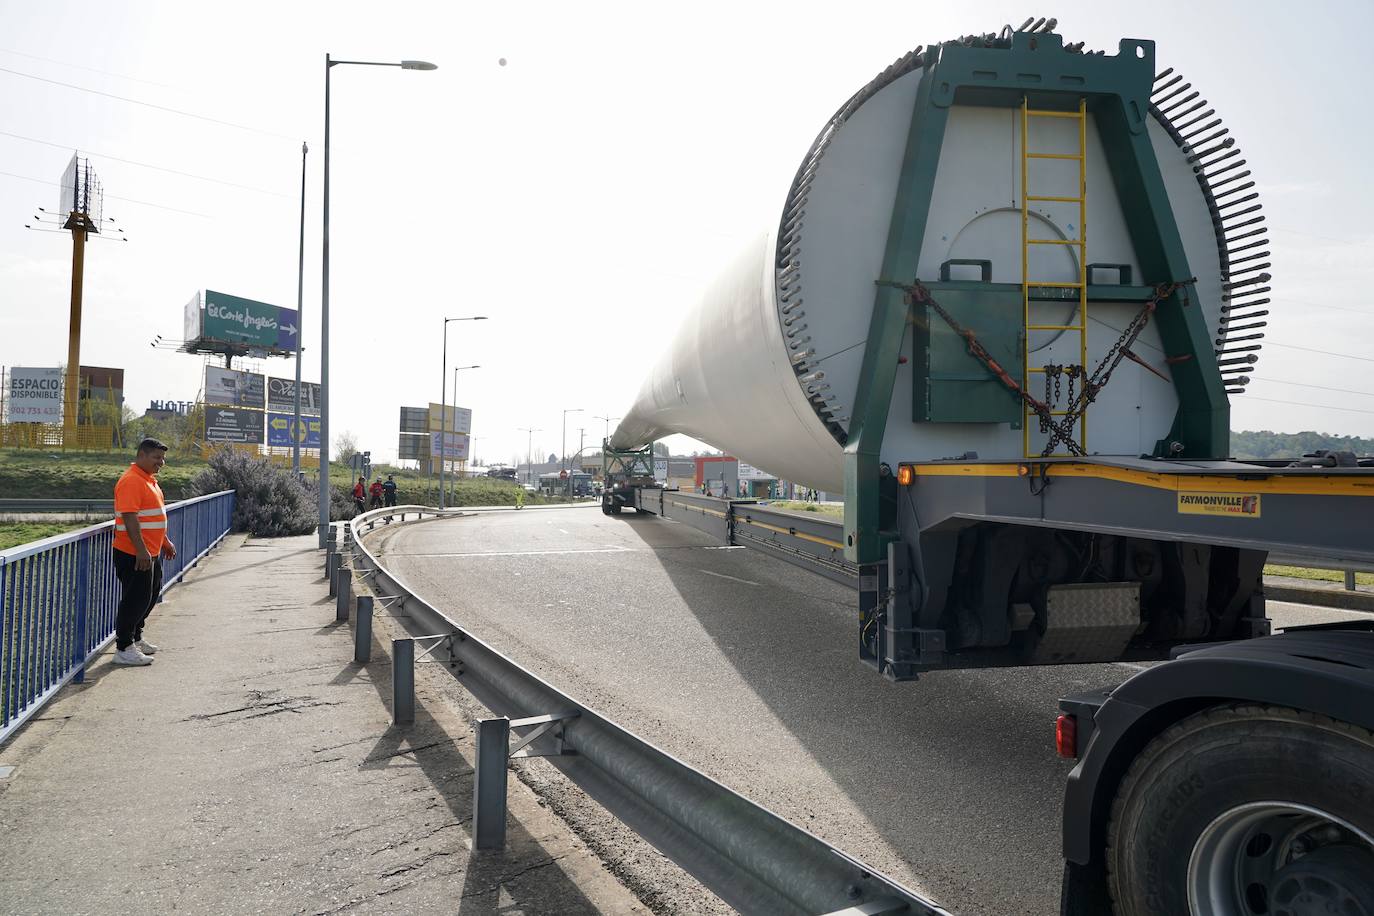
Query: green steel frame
<point x="1037" y="68"/>
<point x="627" y="463"/>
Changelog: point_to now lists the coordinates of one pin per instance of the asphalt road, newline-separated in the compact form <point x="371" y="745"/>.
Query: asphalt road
<point x="746" y="667"/>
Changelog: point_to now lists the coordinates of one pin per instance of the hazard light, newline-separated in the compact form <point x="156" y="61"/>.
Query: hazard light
<point x="905" y="474"/>
<point x="1066" y="736"/>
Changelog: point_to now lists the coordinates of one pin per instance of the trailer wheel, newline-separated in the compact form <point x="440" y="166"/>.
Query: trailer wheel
<point x="1243" y="810"/>
<point x="615" y="508"/>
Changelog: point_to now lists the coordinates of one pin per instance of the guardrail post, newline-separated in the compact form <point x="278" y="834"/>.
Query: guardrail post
<point x="1350" y="580"/>
<point x="489" y="783"/>
<point x="402" y="681"/>
<point x="331" y="572"/>
<point x="343" y="591"/>
<point x="362" y="630"/>
<point x="328" y="552"/>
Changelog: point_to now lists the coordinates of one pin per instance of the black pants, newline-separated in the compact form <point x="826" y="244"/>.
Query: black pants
<point x="139" y="591"/>
<point x="390" y="499"/>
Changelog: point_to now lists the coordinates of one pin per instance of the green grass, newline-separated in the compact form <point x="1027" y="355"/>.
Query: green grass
<point x="25" y="473"/>
<point x="414" y="488"/>
<point x="1320" y="575"/>
<point x="797" y="505"/>
<point x="12" y="534"/>
<point x="82" y="475"/>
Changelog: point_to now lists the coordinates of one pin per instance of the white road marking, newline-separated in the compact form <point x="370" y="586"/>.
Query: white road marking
<point x="562" y="530"/>
<point x="523" y="553"/>
<point x="1133" y="666"/>
<point x="724" y="576"/>
<point x="730" y="547"/>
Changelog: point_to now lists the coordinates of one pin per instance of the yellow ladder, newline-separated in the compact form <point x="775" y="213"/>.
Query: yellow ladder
<point x="1081" y="326"/>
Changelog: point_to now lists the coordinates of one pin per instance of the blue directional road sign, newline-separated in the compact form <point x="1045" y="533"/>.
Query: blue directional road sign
<point x="281" y="425"/>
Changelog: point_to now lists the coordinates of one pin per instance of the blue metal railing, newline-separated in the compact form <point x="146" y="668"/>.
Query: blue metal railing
<point x="58" y="598"/>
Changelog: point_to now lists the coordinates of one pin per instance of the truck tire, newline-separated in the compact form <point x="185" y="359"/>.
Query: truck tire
<point x="1246" y="809"/>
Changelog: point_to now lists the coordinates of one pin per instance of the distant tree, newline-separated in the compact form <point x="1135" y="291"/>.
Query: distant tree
<point x="1264" y="444"/>
<point x="345" y="446"/>
<point x="175" y="430"/>
<point x="661" y="448"/>
<point x="553" y="459"/>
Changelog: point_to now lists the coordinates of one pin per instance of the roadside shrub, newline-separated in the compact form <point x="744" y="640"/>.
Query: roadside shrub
<point x="269" y="501"/>
<point x="341" y="505"/>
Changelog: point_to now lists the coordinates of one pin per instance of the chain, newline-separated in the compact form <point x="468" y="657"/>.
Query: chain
<point x="917" y="294"/>
<point x="1062" y="431"/>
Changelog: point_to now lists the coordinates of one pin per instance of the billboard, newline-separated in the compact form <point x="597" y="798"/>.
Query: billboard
<point x="749" y="472"/>
<point x="35" y="395"/>
<point x="459" y="419"/>
<point x="191" y="318"/>
<point x="223" y="424"/>
<point x="280" y="426"/>
<point x="454" y="449"/>
<point x="233" y="388"/>
<point x="413" y="447"/>
<point x="220" y="317"/>
<point x="414" y="420"/>
<point x="281" y="395"/>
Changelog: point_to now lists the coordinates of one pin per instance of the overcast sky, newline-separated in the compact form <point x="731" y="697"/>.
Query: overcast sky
<point x="582" y="194"/>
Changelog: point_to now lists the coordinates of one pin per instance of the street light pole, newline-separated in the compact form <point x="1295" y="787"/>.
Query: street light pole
<point x="329" y="64"/>
<point x="443" y="406"/>
<point x="444" y="447"/>
<point x="324" y="327"/>
<point x="529" y="450"/>
<point x="300" y="327"/>
<point x="608" y="427"/>
<point x="563" y="442"/>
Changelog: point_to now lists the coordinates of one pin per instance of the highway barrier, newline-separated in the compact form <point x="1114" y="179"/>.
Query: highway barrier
<point x="71" y="506"/>
<point x="58" y="598"/>
<point x="753" y="859"/>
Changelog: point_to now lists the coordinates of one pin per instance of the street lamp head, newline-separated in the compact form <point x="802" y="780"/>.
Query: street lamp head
<point x="418" y="65"/>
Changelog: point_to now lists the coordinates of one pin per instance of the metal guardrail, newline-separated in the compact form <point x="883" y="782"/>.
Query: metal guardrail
<point x="753" y="859"/>
<point x="75" y="506"/>
<point x="1348" y="567"/>
<point x="58" y="598"/>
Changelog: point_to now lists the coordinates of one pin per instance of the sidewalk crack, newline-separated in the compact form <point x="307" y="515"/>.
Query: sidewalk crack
<point x="506" y="879"/>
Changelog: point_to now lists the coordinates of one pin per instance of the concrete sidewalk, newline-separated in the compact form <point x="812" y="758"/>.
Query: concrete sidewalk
<point x="254" y="769"/>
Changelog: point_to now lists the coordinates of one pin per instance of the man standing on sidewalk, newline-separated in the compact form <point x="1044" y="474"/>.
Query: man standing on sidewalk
<point x="140" y="543"/>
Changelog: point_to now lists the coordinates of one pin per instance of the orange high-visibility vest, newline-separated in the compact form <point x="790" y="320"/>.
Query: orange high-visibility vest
<point x="138" y="491"/>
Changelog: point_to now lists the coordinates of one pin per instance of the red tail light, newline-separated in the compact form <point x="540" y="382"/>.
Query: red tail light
<point x="1066" y="736"/>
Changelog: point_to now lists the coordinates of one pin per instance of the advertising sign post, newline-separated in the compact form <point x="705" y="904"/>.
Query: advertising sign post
<point x="212" y="317"/>
<point x="233" y="388"/>
<point x="459" y="419"/>
<point x="224" y="424"/>
<point x="280" y="427"/>
<point x="448" y="446"/>
<point x="281" y="395"/>
<point x="35" y="395"/>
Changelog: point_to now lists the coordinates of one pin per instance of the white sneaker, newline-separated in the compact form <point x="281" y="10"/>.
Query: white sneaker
<point x="131" y="656"/>
<point x="145" y="647"/>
